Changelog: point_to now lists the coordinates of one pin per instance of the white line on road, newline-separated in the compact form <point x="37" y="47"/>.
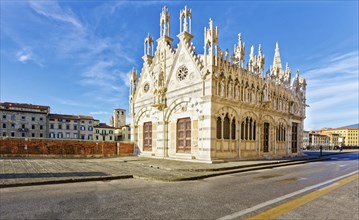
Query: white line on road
<point x="270" y="202"/>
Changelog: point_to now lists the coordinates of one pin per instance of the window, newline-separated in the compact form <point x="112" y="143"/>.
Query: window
<point x="41" y="135"/>
<point x="90" y="122"/>
<point x="67" y="120"/>
<point x="59" y="135"/>
<point x="67" y="135"/>
<point x="89" y="137"/>
<point x="41" y="127"/>
<point x="110" y="138"/>
<point x="182" y="73"/>
<point x="67" y="127"/>
<point x="32" y="118"/>
<point x="4" y="134"/>
<point x="219" y="128"/>
<point x="75" y="127"/>
<point x="13" y="117"/>
<point x="233" y="129"/>
<point x="82" y="128"/>
<point x="83" y="137"/>
<point x="60" y="126"/>
<point x="51" y="126"/>
<point x="96" y="137"/>
<point x="129" y="136"/>
<point x="12" y="134"/>
<point x="248" y="129"/>
<point x="32" y="134"/>
<point x="226" y="127"/>
<point x="75" y="136"/>
<point x="3" y="116"/>
<point x="12" y="125"/>
<point x="51" y="119"/>
<point x="90" y="128"/>
<point x="82" y="122"/>
<point x="32" y="126"/>
<point x="294" y="137"/>
<point x="97" y="131"/>
<point x="280" y="132"/>
<point x="110" y="131"/>
<point x="22" y="134"/>
<point x="23" y="117"/>
<point x="103" y="132"/>
<point x="3" y="125"/>
<point x="23" y="126"/>
<point x="59" y="120"/>
<point x="41" y="119"/>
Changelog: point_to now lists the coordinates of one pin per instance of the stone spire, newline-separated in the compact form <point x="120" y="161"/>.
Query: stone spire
<point x="133" y="81"/>
<point x="276" y="61"/>
<point x="239" y="51"/>
<point x="260" y="59"/>
<point x="210" y="43"/>
<point x="186" y="15"/>
<point x="164" y="22"/>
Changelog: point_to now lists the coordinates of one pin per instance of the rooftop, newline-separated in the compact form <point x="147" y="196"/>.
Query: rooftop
<point x="74" y="117"/>
<point x="10" y="105"/>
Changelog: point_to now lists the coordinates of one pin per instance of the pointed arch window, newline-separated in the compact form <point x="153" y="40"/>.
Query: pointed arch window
<point x="233" y="129"/>
<point x="226" y="127"/>
<point x="219" y="128"/>
<point x="248" y="129"/>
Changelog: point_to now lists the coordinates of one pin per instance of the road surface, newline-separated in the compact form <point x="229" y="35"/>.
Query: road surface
<point x="318" y="190"/>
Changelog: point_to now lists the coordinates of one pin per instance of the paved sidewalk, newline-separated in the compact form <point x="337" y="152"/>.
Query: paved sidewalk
<point x="24" y="171"/>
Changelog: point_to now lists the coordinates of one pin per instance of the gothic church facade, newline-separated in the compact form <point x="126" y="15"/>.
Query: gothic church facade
<point x="212" y="106"/>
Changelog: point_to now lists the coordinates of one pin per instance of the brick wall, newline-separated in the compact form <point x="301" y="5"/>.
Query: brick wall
<point x="62" y="148"/>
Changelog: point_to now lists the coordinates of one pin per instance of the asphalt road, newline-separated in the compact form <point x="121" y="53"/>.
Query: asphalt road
<point x="234" y="196"/>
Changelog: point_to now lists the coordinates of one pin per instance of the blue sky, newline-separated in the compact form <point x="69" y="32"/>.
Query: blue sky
<point x="75" y="56"/>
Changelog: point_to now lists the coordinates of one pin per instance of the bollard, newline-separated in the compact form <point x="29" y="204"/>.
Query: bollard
<point x="321" y="149"/>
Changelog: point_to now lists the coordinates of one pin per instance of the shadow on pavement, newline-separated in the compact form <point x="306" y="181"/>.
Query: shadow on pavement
<point x="46" y="175"/>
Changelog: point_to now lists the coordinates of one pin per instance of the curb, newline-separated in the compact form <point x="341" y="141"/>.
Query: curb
<point x="242" y="170"/>
<point x="91" y="179"/>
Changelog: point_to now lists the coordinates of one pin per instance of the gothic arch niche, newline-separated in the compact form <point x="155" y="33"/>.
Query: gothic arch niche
<point x="267" y="136"/>
<point x="181" y="127"/>
<point x="248" y="135"/>
<point x="281" y="137"/>
<point x="145" y="130"/>
<point x="226" y="122"/>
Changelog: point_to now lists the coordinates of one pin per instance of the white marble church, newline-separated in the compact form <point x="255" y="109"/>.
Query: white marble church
<point x="213" y="106"/>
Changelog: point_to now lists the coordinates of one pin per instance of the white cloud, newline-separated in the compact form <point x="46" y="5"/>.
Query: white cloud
<point x="24" y="55"/>
<point x="333" y="91"/>
<point x="99" y="113"/>
<point x="52" y="9"/>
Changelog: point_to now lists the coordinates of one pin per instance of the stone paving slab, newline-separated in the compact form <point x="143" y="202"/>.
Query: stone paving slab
<point x="18" y="171"/>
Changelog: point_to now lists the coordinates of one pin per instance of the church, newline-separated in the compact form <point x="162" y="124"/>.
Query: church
<point x="214" y="106"/>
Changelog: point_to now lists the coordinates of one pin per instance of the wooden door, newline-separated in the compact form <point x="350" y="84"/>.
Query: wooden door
<point x="184" y="135"/>
<point x="294" y="137"/>
<point x="266" y="137"/>
<point x="147" y="136"/>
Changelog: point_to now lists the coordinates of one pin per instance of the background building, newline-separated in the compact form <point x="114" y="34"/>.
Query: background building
<point x="103" y="132"/>
<point x="349" y="133"/>
<point x="123" y="133"/>
<point x="70" y="126"/>
<point x="23" y="120"/>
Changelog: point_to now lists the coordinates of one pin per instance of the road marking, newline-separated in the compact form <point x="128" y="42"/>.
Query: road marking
<point x="270" y="202"/>
<point x="295" y="203"/>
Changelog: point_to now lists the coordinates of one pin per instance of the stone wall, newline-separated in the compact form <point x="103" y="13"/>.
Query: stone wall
<point x="36" y="147"/>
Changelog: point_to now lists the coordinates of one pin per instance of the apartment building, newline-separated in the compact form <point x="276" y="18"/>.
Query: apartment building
<point x="104" y="132"/>
<point x="349" y="133"/>
<point x="70" y="126"/>
<point x="23" y="120"/>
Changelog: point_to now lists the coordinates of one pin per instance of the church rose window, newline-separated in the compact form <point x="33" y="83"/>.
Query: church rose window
<point x="182" y="73"/>
<point x="146" y="87"/>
